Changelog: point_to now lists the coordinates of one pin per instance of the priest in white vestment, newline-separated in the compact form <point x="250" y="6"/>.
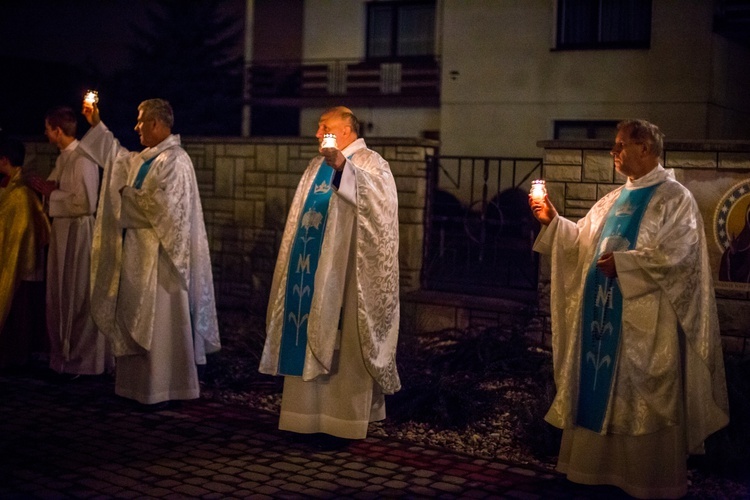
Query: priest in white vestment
<point x="633" y="277"/>
<point x="333" y="313"/>
<point x="71" y="190"/>
<point x="152" y="289"/>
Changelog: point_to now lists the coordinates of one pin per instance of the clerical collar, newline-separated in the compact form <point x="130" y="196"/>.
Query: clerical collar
<point x="657" y="175"/>
<point x="71" y="146"/>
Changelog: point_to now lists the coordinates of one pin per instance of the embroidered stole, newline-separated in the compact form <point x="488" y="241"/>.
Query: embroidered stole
<point x="138" y="182"/>
<point x="602" y="310"/>
<point x="303" y="262"/>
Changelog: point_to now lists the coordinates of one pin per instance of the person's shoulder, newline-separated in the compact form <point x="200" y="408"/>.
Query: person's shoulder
<point x="673" y="187"/>
<point x="80" y="158"/>
<point x="368" y="155"/>
<point x="175" y="152"/>
<point x="608" y="197"/>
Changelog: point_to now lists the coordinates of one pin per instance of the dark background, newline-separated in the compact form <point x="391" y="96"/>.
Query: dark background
<point x="188" y="52"/>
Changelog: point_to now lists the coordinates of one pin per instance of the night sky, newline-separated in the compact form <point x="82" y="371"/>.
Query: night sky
<point x="53" y="50"/>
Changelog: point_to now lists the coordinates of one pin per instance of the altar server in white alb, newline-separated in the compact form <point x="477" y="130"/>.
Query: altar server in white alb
<point x="152" y="288"/>
<point x="71" y="190"/>
<point x="635" y="335"/>
<point x="333" y="314"/>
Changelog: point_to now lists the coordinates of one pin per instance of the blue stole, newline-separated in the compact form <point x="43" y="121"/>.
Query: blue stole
<point x="138" y="182"/>
<point x="602" y="309"/>
<point x="303" y="263"/>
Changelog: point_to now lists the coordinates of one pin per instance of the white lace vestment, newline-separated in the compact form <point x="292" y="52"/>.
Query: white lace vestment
<point x="669" y="322"/>
<point x="373" y="223"/>
<point x="165" y="216"/>
<point x="76" y="346"/>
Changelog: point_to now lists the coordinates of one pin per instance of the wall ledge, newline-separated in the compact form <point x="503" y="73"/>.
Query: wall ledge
<point x="724" y="146"/>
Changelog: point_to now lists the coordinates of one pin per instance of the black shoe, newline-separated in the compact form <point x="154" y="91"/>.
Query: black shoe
<point x="149" y="408"/>
<point x="63" y="378"/>
<point x="326" y="442"/>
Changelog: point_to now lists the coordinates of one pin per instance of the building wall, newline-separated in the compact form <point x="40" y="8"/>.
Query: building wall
<point x="504" y="84"/>
<point x="348" y="41"/>
<point x="381" y="122"/>
<point x="579" y="173"/>
<point x="729" y="113"/>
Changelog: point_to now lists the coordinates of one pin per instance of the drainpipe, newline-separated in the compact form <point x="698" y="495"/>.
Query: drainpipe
<point x="249" y="17"/>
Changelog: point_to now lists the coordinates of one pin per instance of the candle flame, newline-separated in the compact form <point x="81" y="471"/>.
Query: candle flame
<point x="92" y="97"/>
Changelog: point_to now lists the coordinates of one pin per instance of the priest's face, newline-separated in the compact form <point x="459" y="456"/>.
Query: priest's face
<point x="146" y="128"/>
<point x="629" y="156"/>
<point x="53" y="134"/>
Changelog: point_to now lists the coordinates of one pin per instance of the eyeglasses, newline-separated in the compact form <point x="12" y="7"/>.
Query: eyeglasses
<point x="619" y="146"/>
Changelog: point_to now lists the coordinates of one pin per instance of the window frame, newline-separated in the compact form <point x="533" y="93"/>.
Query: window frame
<point x="395" y="6"/>
<point x="598" y="44"/>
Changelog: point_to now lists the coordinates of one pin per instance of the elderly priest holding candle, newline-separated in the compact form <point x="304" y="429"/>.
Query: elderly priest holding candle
<point x="635" y="335"/>
<point x="333" y="315"/>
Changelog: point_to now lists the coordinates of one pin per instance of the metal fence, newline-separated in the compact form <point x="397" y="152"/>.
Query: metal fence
<point x="479" y="230"/>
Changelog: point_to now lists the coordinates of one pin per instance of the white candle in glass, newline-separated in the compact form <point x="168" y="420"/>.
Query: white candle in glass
<point x="91" y="97"/>
<point x="538" y="190"/>
<point x="329" y="141"/>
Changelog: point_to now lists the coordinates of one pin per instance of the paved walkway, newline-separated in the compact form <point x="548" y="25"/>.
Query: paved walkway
<point x="78" y="440"/>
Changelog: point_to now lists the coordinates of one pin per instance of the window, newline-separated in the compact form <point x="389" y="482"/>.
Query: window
<point x="603" y="24"/>
<point x="571" y="130"/>
<point x="400" y="29"/>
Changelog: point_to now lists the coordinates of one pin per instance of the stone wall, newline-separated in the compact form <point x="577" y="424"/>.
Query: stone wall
<point x="246" y="188"/>
<point x="578" y="173"/>
<point x="247" y="184"/>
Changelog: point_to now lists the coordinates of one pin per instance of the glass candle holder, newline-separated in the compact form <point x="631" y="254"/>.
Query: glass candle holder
<point x="538" y="190"/>
<point x="329" y="141"/>
<point x="91" y="97"/>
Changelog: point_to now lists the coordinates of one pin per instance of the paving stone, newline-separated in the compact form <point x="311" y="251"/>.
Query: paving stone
<point x="448" y="487"/>
<point x="351" y="483"/>
<point x="396" y="484"/>
<point x="378" y="471"/>
<point x="354" y="474"/>
<point x="94" y="447"/>
<point x="191" y="490"/>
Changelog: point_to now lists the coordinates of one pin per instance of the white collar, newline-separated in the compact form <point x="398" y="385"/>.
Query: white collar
<point x="71" y="146"/>
<point x="657" y="175"/>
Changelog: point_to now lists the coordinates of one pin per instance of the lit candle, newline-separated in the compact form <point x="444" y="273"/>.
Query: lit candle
<point x="538" y="190"/>
<point x="329" y="141"/>
<point x="91" y="97"/>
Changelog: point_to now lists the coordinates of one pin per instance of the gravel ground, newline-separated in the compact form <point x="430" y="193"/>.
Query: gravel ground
<point x="496" y="411"/>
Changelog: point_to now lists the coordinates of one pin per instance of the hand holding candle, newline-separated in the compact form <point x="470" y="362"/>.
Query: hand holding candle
<point x="330" y="151"/>
<point x="541" y="206"/>
<point x="328" y="142"/>
<point x="91" y="97"/>
<point x="90" y="108"/>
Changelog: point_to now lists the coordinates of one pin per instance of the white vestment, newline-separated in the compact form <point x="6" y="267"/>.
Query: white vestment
<point x="669" y="389"/>
<point x="76" y="346"/>
<point x="152" y="290"/>
<point x="356" y="289"/>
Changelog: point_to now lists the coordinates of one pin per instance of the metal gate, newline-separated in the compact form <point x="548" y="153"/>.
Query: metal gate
<point x="479" y="229"/>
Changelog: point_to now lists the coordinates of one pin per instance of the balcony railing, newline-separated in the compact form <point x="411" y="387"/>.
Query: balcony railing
<point x="311" y="82"/>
